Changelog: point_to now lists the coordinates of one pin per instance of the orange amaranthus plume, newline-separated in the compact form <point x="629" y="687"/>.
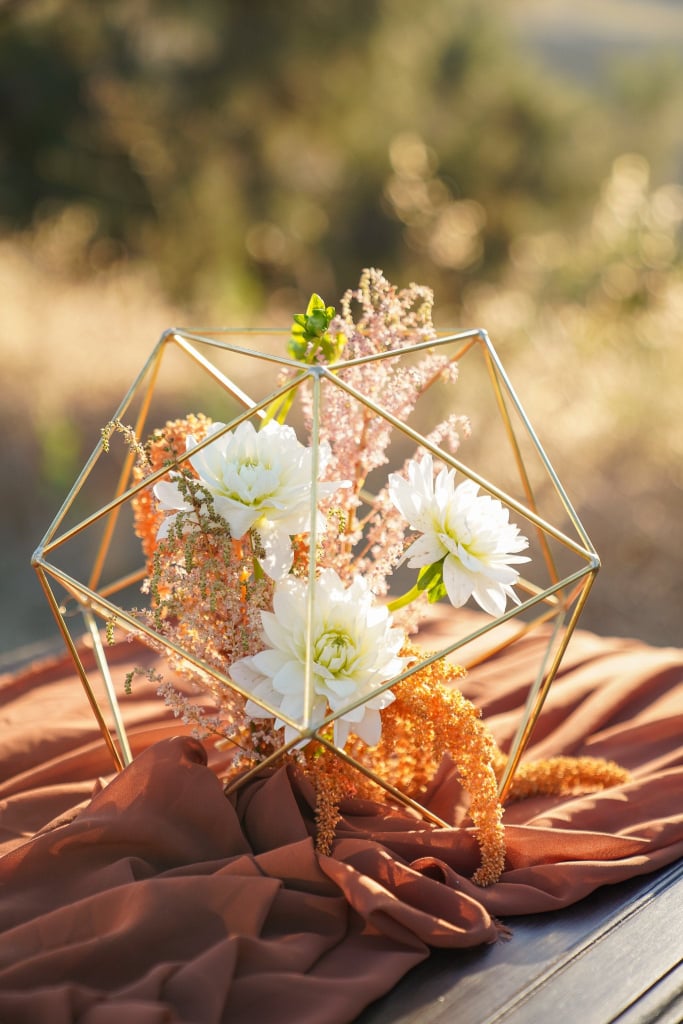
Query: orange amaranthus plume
<point x="164" y="447"/>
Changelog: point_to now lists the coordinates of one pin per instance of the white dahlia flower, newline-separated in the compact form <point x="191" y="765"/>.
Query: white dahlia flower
<point x="354" y="650"/>
<point x="468" y="532"/>
<point x="259" y="480"/>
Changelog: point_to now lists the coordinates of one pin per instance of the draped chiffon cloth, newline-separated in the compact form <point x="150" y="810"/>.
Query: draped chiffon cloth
<point x="149" y="896"/>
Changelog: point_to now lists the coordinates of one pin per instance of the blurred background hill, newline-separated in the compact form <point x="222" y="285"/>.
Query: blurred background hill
<point x="215" y="163"/>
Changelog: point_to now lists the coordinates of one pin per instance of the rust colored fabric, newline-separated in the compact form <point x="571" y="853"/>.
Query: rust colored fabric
<point x="150" y="897"/>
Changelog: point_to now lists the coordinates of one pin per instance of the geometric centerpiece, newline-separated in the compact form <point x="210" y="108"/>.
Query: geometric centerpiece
<point x="377" y="433"/>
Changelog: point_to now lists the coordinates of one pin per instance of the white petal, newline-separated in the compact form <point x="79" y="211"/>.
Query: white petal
<point x="340" y="691"/>
<point x="382" y="701"/>
<point x="291" y="734"/>
<point x="421" y="474"/>
<point x="426" y="550"/>
<point x="490" y="597"/>
<point x="268" y="701"/>
<point x="341" y="732"/>
<point x="169" y="497"/>
<point x="278" y="551"/>
<point x="289" y="679"/>
<point x="405" y="498"/>
<point x="244" y="673"/>
<point x="459" y="583"/>
<point x="469" y="561"/>
<point x="239" y="518"/>
<point x="284" y="626"/>
<point x="292" y="705"/>
<point x="267" y="662"/>
<point x="444" y="486"/>
<point x="256" y="711"/>
<point x="370" y="728"/>
<point x="501" y="574"/>
<point x="165" y="527"/>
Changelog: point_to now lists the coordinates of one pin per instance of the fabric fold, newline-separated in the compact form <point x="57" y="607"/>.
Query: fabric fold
<point x="150" y="896"/>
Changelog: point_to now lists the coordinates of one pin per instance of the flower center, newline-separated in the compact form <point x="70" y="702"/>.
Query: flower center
<point x="249" y="481"/>
<point x="333" y="650"/>
<point x="458" y="532"/>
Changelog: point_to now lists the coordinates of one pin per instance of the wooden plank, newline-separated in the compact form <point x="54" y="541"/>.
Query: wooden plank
<point x="616" y="966"/>
<point x="661" y="1004"/>
<point x="592" y="963"/>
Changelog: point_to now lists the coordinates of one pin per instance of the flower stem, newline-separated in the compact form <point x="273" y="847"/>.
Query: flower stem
<point x="404" y="599"/>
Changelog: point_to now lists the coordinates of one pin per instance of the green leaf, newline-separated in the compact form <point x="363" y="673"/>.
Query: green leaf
<point x="437" y="592"/>
<point x="430" y="576"/>
<point x="317" y="322"/>
<point x="298" y="349"/>
<point x="315" y="302"/>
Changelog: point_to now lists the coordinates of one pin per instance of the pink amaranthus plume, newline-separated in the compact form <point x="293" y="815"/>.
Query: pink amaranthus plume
<point x="387" y="320"/>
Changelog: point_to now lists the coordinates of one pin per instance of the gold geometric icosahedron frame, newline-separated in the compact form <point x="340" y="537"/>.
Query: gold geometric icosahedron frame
<point x="556" y="600"/>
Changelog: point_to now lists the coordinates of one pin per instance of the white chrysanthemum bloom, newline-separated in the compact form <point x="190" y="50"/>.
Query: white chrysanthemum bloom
<point x="354" y="650"/>
<point x="259" y="480"/>
<point x="471" y="532"/>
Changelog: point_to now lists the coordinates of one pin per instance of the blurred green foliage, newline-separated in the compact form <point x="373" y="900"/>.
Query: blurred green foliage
<point x="256" y="149"/>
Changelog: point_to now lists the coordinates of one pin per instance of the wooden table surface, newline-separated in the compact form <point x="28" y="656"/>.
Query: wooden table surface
<point x="617" y="956"/>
